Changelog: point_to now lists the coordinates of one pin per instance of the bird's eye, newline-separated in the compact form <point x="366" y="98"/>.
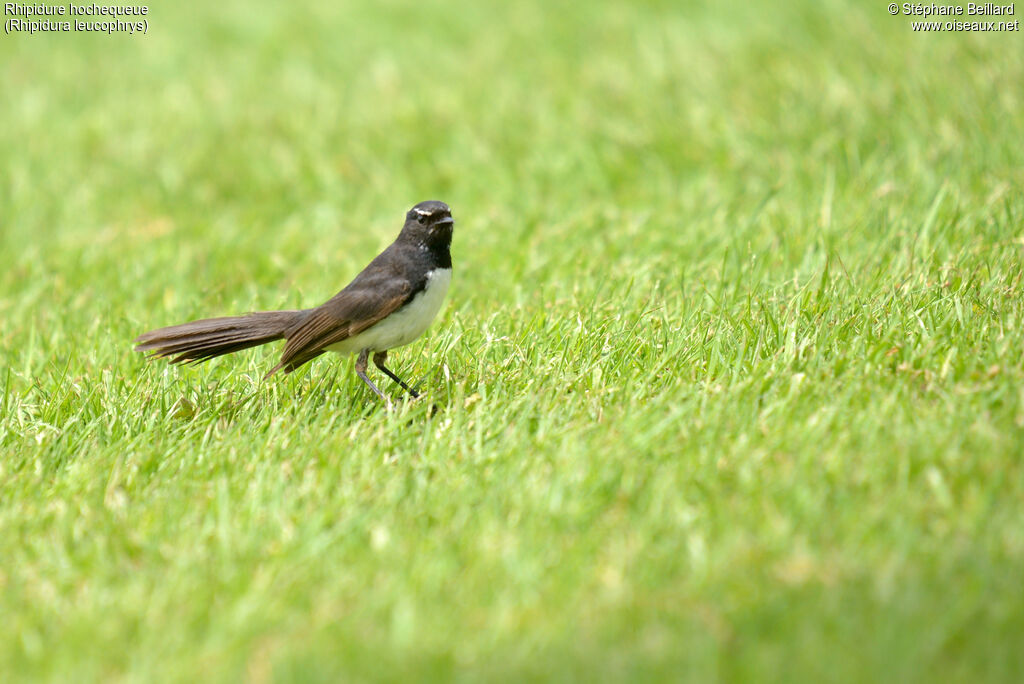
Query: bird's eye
<point x="421" y="218"/>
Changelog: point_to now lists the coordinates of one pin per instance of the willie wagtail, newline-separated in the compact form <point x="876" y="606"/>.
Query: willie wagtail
<point x="389" y="304"/>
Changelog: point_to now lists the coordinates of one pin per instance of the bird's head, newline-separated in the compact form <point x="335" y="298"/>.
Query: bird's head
<point x="430" y="222"/>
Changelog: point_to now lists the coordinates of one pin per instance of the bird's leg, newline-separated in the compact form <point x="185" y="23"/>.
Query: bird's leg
<point x="361" y="372"/>
<point x="378" y="360"/>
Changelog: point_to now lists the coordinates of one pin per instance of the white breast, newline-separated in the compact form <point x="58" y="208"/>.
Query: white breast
<point x="404" y="325"/>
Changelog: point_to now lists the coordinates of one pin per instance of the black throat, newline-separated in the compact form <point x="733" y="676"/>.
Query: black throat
<point x="430" y="247"/>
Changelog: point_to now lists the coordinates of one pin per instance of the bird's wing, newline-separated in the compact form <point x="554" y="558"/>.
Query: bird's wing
<point x="363" y="303"/>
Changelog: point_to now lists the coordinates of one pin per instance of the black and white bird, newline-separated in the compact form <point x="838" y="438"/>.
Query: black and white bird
<point x="388" y="305"/>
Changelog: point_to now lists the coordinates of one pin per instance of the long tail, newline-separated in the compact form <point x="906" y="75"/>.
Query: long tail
<point x="201" y="340"/>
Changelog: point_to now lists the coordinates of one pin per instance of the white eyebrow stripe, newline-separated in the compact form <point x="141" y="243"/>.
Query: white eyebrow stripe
<point x="421" y="212"/>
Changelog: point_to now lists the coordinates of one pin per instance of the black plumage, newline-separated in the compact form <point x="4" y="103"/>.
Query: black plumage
<point x="390" y="282"/>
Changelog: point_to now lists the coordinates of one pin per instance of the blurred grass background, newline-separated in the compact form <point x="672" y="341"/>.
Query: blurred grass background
<point x="730" y="373"/>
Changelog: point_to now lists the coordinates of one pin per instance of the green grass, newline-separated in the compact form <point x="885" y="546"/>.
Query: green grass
<point x="730" y="377"/>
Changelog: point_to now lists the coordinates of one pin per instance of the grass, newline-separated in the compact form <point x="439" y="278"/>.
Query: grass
<point x="729" y="378"/>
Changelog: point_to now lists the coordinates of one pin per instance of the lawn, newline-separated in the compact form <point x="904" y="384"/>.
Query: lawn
<point x="729" y="382"/>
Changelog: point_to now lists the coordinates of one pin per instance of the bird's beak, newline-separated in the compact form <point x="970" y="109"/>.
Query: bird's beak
<point x="446" y="221"/>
